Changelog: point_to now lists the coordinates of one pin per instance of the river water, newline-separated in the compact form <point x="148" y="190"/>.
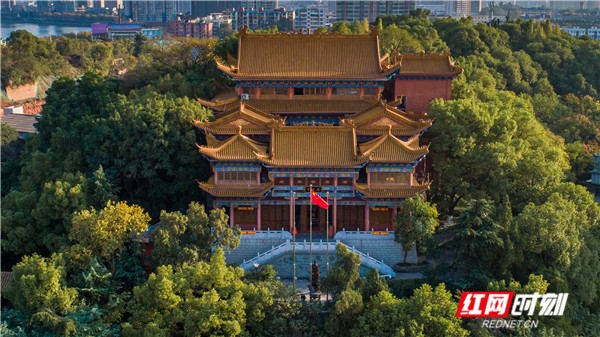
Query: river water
<point x="42" y="29"/>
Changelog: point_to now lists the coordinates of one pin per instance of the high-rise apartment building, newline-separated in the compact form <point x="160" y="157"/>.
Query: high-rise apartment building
<point x="370" y="10"/>
<point x="201" y="9"/>
<point x="436" y="7"/>
<point x="65" y="6"/>
<point x="459" y="7"/>
<point x="42" y="6"/>
<point x="258" y="5"/>
<point x="184" y="6"/>
<point x="255" y="19"/>
<point x="151" y="11"/>
<point x="311" y="18"/>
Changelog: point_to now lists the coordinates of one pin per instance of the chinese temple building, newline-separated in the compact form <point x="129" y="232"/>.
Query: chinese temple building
<point x="325" y="110"/>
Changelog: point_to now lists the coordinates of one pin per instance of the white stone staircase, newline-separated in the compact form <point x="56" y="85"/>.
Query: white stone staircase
<point x="379" y="244"/>
<point x="319" y="247"/>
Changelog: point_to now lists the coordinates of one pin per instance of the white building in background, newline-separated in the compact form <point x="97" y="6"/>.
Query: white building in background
<point x="436" y="7"/>
<point x="311" y="18"/>
<point x="593" y="32"/>
<point x="258" y="5"/>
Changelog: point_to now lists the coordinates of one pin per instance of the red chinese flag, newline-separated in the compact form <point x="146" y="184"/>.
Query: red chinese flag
<point x="317" y="200"/>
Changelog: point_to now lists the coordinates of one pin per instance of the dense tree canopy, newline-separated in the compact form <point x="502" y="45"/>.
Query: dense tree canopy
<point x="203" y="299"/>
<point x="492" y="146"/>
<point x="190" y="238"/>
<point x="26" y="57"/>
<point x="38" y="283"/>
<point x="524" y="111"/>
<point x="416" y="221"/>
<point x="105" y="232"/>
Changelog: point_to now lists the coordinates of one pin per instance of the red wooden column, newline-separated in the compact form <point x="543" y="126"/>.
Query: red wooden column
<point x="328" y="92"/>
<point x="257" y="92"/>
<point x="290" y="92"/>
<point x="258" y="216"/>
<point x="335" y="181"/>
<point x="291" y="203"/>
<point x="231" y="216"/>
<point x="367" y="215"/>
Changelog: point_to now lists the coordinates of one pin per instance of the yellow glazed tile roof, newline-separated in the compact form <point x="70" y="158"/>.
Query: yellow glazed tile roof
<point x="235" y="148"/>
<point x="313" y="146"/>
<point x="251" y="119"/>
<point x="311" y="56"/>
<point x="427" y="64"/>
<point x="376" y="119"/>
<point x="389" y="149"/>
<point x="220" y="105"/>
<point x="391" y="191"/>
<point x="235" y="190"/>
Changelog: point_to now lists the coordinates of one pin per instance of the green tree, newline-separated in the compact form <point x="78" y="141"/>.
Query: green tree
<point x="40" y="221"/>
<point x="140" y="44"/>
<point x="559" y="239"/>
<point x="203" y="299"/>
<point x="224" y="30"/>
<point x="394" y="39"/>
<point x="190" y="238"/>
<point x="428" y="312"/>
<point x="26" y="57"/>
<point x="38" y="283"/>
<point x="373" y="285"/>
<point x="416" y="221"/>
<point x="106" y="232"/>
<point x="9" y="134"/>
<point x="535" y="283"/>
<point x="344" y="272"/>
<point x="434" y="311"/>
<point x="490" y="147"/>
<point x="348" y="305"/>
<point x="478" y="237"/>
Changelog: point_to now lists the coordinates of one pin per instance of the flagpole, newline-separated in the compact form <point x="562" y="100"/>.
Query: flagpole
<point x="327" y="236"/>
<point x="294" y="235"/>
<point x="310" y="245"/>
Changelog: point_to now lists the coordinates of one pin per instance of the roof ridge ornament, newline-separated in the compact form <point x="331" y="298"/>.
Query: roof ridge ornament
<point x="373" y="31"/>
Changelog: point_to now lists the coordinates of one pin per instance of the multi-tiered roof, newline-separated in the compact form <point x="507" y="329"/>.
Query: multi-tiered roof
<point x="308" y="57"/>
<point x="364" y="130"/>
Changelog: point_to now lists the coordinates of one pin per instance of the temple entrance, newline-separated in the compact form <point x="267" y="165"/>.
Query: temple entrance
<point x="381" y="218"/>
<point x="351" y="217"/>
<point x="275" y="217"/>
<point x="319" y="219"/>
<point x="245" y="217"/>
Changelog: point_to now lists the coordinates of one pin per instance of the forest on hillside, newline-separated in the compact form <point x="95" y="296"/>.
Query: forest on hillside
<point x="511" y="152"/>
